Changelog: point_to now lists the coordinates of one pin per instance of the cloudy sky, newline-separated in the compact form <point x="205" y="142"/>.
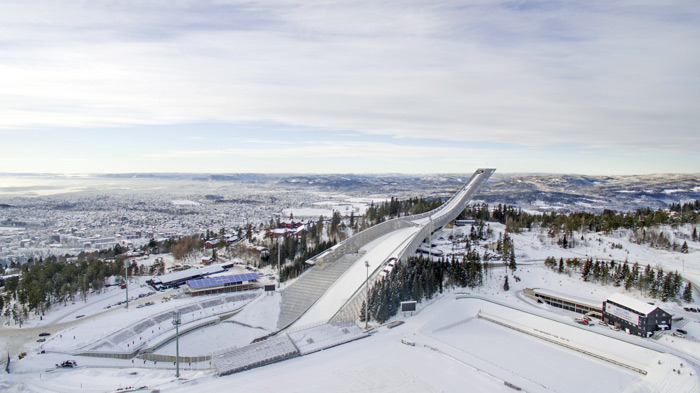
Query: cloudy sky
<point x="591" y="87"/>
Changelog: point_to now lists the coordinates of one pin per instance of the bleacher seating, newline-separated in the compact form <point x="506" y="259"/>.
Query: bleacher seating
<point x="286" y="346"/>
<point x="326" y="336"/>
<point x="303" y="293"/>
<point x="232" y="360"/>
<point x="137" y="336"/>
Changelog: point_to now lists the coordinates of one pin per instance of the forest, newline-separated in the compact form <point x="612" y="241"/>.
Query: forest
<point x="649" y="281"/>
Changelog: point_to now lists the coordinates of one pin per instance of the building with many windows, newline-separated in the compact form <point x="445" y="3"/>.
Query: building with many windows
<point x="222" y="284"/>
<point x="565" y="301"/>
<point x="635" y="316"/>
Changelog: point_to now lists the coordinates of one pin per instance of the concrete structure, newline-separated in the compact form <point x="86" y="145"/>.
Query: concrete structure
<point x="635" y="316"/>
<point x="276" y="349"/>
<point x="567" y="302"/>
<point x="332" y="289"/>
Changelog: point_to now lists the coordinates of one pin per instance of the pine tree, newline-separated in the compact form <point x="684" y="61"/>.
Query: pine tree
<point x="605" y="275"/>
<point x="667" y="288"/>
<point x="550" y="262"/>
<point x="597" y="271"/>
<point x="586" y="270"/>
<point x="688" y="293"/>
<point x="362" y="311"/>
<point x="511" y="263"/>
<point x="677" y="284"/>
<point x="561" y="265"/>
<point x="695" y="234"/>
<point x="505" y="284"/>
<point x="684" y="247"/>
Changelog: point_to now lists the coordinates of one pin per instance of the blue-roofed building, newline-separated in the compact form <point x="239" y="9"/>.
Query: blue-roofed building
<point x="221" y="284"/>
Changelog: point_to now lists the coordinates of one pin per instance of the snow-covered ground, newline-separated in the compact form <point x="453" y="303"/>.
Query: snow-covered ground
<point x="454" y="348"/>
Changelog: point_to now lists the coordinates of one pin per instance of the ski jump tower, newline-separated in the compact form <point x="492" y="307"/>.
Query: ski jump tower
<point x="334" y="288"/>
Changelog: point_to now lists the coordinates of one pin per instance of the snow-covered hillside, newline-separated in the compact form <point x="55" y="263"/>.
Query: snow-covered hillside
<point x="477" y="339"/>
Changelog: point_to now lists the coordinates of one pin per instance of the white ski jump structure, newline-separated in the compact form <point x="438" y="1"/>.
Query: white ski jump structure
<point x="333" y="289"/>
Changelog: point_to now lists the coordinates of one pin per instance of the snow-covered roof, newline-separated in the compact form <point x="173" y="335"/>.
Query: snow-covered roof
<point x="183" y="274"/>
<point x="634" y="304"/>
<point x="566" y="296"/>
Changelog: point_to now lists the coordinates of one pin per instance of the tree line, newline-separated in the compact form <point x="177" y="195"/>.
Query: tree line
<point x="650" y="282"/>
<point x="49" y="281"/>
<point x="394" y="208"/>
<point x="420" y="278"/>
<point x="607" y="221"/>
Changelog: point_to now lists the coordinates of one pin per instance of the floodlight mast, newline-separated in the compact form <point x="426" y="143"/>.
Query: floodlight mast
<point x="430" y="239"/>
<point x="126" y="269"/>
<point x="367" y="301"/>
<point x="177" y="320"/>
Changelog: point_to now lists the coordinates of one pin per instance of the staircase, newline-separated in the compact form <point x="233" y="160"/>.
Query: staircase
<point x="308" y="288"/>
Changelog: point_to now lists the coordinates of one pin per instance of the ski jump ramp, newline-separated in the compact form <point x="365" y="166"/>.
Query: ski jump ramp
<point x="333" y="289"/>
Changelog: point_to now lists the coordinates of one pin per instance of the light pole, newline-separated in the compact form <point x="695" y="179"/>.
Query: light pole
<point x="430" y="239"/>
<point x="126" y="269"/>
<point x="367" y="301"/>
<point x="177" y="321"/>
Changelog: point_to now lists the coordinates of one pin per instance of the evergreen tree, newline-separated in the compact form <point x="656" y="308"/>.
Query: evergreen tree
<point x="605" y="274"/>
<point x="677" y="284"/>
<point x="550" y="262"/>
<point x="506" y="287"/>
<point x="597" y="271"/>
<point x="688" y="293"/>
<point x="667" y="291"/>
<point x="511" y="261"/>
<point x="684" y="247"/>
<point x="586" y="271"/>
<point x="362" y="311"/>
<point x="319" y="227"/>
<point x="561" y="265"/>
<point x="695" y="234"/>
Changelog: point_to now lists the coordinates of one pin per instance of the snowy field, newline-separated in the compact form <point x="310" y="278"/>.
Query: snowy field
<point x="475" y="355"/>
<point x="452" y="349"/>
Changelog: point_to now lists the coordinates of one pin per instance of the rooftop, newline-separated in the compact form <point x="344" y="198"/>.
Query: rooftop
<point x="634" y="304"/>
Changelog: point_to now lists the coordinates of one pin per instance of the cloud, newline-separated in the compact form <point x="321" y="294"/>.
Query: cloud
<point x="336" y="149"/>
<point x="528" y="73"/>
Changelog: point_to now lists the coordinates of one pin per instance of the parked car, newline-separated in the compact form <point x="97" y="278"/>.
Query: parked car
<point x="44" y="334"/>
<point x="79" y="316"/>
<point x="67" y="364"/>
<point x="677" y="334"/>
<point x="41" y="340"/>
<point x="681" y="331"/>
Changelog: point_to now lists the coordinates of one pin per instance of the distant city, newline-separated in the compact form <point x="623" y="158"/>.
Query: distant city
<point x="43" y="215"/>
